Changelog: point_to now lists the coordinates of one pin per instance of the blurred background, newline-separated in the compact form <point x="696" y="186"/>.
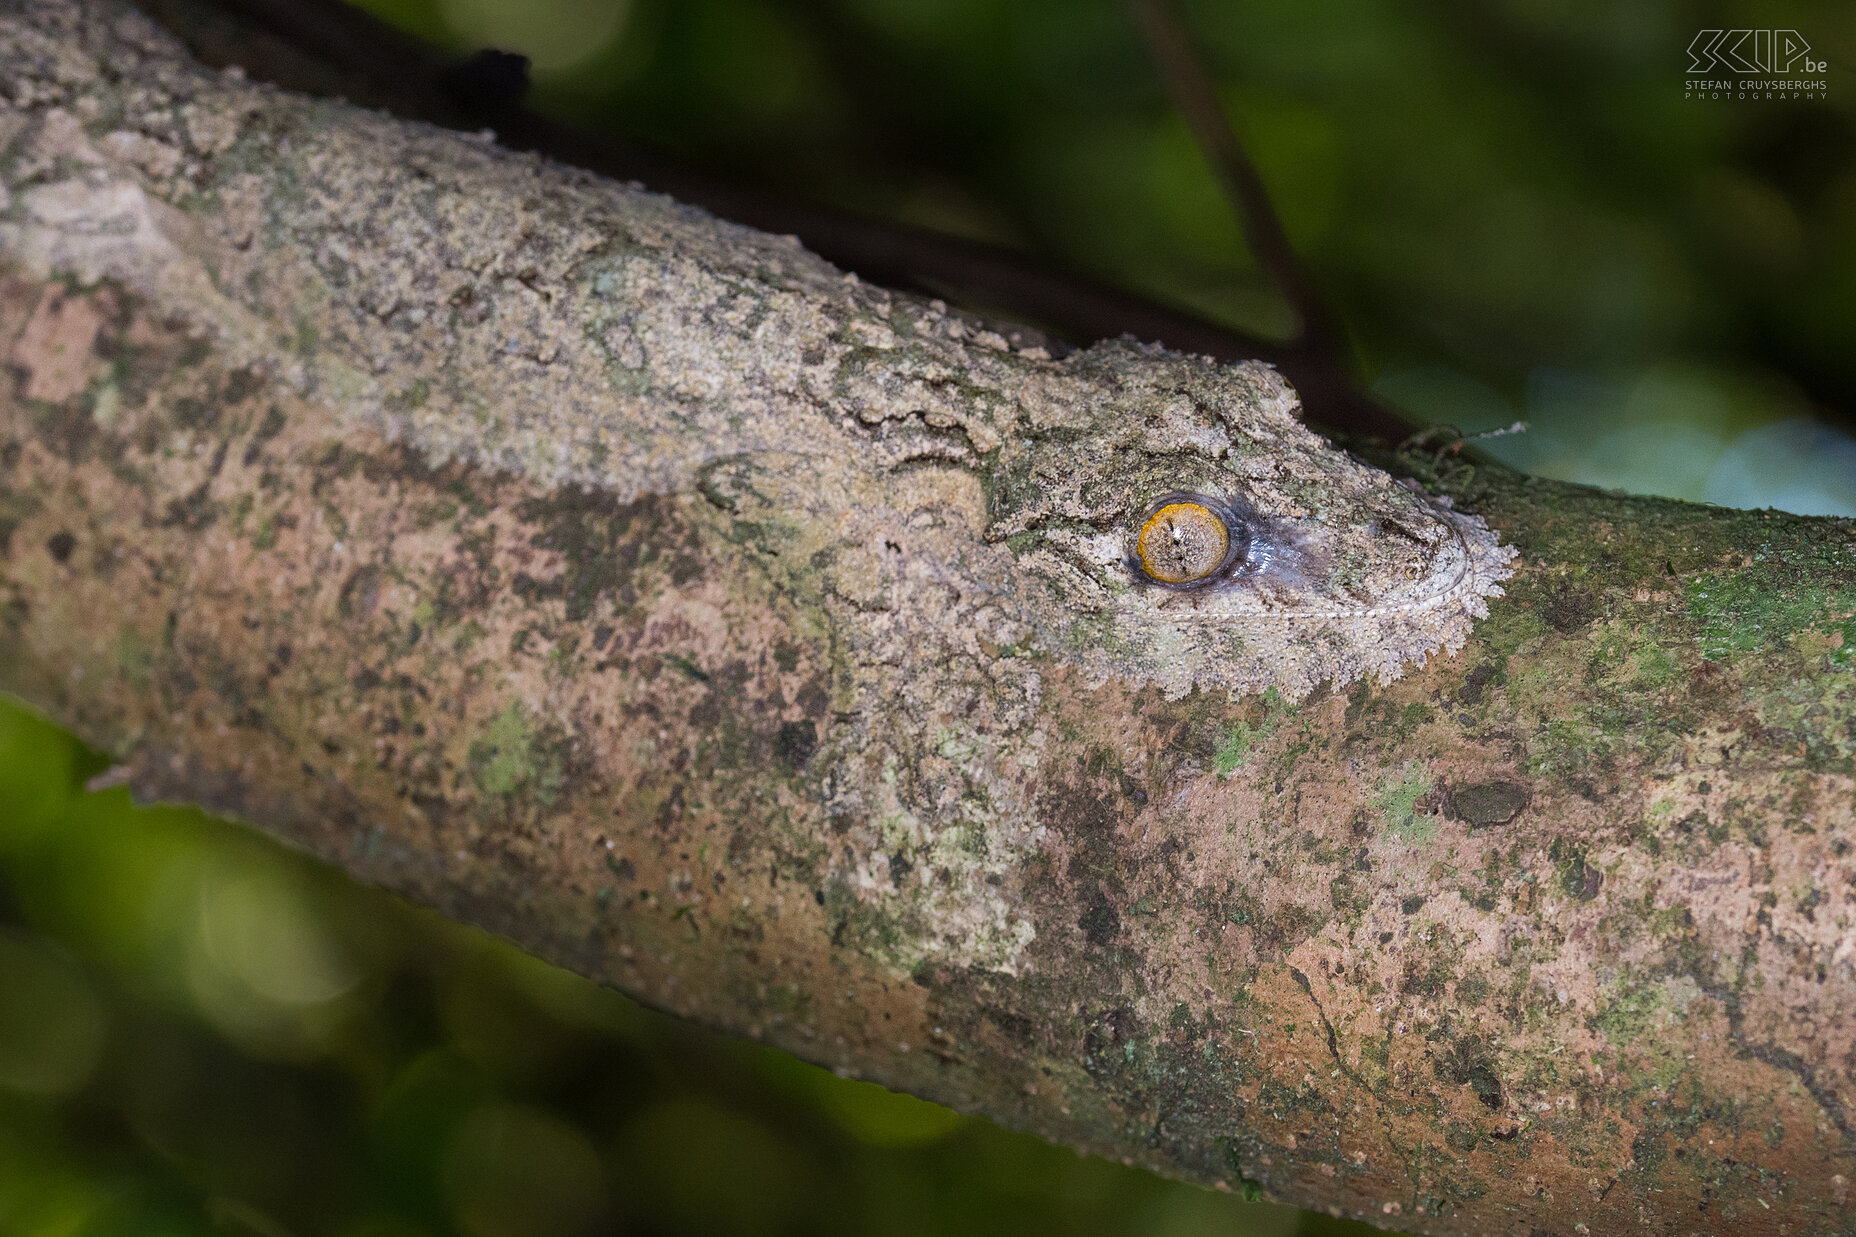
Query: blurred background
<point x="1514" y="211"/>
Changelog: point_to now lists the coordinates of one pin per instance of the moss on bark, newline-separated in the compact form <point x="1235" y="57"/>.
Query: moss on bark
<point x="1551" y="932"/>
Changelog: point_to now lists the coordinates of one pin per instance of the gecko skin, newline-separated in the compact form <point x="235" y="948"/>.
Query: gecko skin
<point x="946" y="524"/>
<point x="579" y="332"/>
<point x="1334" y="570"/>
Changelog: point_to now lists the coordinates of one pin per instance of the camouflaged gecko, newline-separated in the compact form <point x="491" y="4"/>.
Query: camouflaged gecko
<point x="1191" y="532"/>
<point x="906" y="538"/>
<point x="1154" y="517"/>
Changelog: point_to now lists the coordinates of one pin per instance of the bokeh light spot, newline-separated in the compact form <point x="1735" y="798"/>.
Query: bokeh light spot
<point x="257" y="928"/>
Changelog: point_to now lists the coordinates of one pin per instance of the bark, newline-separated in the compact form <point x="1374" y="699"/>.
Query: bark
<point x="632" y="584"/>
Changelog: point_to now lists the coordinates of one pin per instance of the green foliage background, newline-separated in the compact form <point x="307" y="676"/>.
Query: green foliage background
<point x="1512" y="207"/>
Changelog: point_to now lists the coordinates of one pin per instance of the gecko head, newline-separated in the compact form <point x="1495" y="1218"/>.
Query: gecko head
<point x="1186" y="527"/>
<point x="1201" y="493"/>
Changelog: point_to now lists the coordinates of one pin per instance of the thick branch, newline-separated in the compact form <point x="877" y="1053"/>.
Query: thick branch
<point x="635" y="585"/>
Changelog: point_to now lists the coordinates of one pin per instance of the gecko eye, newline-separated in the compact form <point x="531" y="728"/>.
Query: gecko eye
<point x="1187" y="540"/>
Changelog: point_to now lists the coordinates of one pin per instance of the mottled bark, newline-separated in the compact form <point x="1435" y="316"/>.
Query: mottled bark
<point x="622" y="581"/>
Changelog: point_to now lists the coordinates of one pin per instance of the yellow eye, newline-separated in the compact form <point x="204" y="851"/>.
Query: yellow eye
<point x="1182" y="542"/>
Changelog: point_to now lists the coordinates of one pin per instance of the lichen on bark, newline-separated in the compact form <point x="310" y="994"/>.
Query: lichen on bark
<point x="764" y="643"/>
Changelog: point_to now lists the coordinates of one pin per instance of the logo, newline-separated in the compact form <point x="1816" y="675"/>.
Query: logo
<point x="1752" y="51"/>
<point x="1754" y="64"/>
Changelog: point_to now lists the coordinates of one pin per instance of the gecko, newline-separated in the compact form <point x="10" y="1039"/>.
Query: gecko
<point x="1154" y="517"/>
<point x="1190" y="531"/>
<point x="930" y="537"/>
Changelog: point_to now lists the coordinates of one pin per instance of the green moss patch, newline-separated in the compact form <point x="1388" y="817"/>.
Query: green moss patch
<point x="1751" y="611"/>
<point x="508" y="756"/>
<point x="1398" y="803"/>
<point x="1237" y="739"/>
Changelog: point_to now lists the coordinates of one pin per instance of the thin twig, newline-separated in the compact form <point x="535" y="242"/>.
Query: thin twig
<point x="1196" y="96"/>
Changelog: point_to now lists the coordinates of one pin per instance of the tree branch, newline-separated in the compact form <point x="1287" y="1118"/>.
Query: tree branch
<point x="759" y="642"/>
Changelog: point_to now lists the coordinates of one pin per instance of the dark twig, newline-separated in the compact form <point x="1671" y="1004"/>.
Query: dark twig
<point x="1196" y="96"/>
